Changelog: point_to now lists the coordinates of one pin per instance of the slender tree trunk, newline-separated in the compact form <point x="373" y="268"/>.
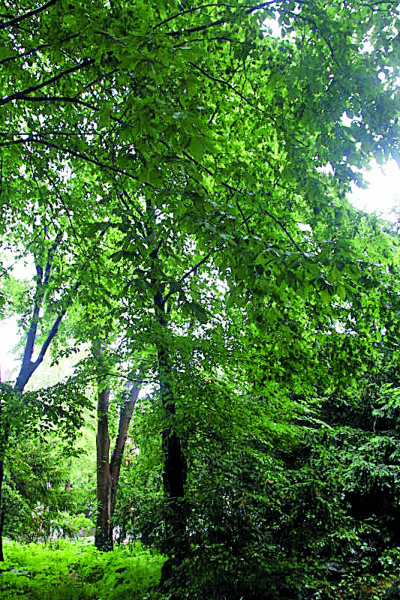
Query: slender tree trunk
<point x="29" y="366"/>
<point x="108" y="471"/>
<point x="118" y="453"/>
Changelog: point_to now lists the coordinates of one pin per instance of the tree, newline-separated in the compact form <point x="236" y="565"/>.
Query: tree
<point x="108" y="470"/>
<point x="202" y="139"/>
<point x="47" y="300"/>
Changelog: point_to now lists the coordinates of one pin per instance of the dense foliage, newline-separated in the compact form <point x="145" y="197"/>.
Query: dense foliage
<point x="78" y="572"/>
<point x="175" y="174"/>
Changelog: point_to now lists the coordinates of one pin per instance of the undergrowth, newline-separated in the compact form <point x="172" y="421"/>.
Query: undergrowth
<point x="75" y="571"/>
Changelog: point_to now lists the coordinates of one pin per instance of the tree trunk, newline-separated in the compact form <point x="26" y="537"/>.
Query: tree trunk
<point x="174" y="473"/>
<point x="29" y="366"/>
<point x="2" y="510"/>
<point x="118" y="453"/>
<point x="108" y="471"/>
<point x="103" y="536"/>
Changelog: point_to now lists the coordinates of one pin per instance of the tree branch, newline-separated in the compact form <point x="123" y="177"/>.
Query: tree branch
<point x="72" y="153"/>
<point x="186" y="275"/>
<point x="27" y="15"/>
<point x="28" y="366"/>
<point x="65" y="99"/>
<point x="30" y="341"/>
<point x="23" y="93"/>
<point x="228" y="85"/>
<point x="295" y="244"/>
<point x="24" y="54"/>
<point x="54" y="329"/>
<point x="219" y="21"/>
<point x="191" y="11"/>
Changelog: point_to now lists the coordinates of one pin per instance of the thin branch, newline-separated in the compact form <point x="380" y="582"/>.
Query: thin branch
<point x="23" y="93"/>
<point x="191" y="11"/>
<point x="27" y="15"/>
<point x="245" y="221"/>
<point x="229" y="85"/>
<point x="186" y="275"/>
<point x="66" y="99"/>
<point x="196" y="29"/>
<point x="218" y="38"/>
<point x="24" y="54"/>
<point x="201" y="262"/>
<point x="219" y="21"/>
<point x="295" y="244"/>
<point x="72" y="153"/>
<point x="54" y="329"/>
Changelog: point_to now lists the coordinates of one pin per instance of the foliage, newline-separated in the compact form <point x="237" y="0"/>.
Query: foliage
<point x="42" y="496"/>
<point x="74" y="571"/>
<point x="178" y="173"/>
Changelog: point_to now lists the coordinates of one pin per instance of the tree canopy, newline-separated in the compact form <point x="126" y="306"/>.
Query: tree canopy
<point x="178" y="174"/>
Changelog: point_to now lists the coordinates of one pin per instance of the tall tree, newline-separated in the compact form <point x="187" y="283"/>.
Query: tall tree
<point x="108" y="468"/>
<point x="205" y="141"/>
<point x="44" y="264"/>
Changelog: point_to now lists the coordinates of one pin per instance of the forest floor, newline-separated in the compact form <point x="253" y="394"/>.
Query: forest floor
<point x="75" y="570"/>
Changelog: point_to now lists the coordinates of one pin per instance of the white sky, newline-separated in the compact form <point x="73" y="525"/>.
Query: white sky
<point x="383" y="193"/>
<point x="8" y="339"/>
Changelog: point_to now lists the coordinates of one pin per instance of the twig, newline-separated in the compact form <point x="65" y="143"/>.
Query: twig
<point x="295" y="244"/>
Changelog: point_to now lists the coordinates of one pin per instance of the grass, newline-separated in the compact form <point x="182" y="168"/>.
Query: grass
<point x="75" y="571"/>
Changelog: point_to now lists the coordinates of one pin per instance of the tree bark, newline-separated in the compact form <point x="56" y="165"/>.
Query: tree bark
<point x="103" y="536"/>
<point x="108" y="471"/>
<point x="174" y="473"/>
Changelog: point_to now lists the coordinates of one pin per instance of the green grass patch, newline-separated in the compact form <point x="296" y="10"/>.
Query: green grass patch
<point x="75" y="571"/>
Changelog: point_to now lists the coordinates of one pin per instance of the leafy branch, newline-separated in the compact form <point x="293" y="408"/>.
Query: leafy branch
<point x="73" y="153"/>
<point x="27" y="15"/>
<point x="221" y="21"/>
<point x="76" y="101"/>
<point x="22" y="94"/>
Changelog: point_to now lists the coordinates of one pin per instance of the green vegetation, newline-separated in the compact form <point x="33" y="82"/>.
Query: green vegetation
<point x="75" y="571"/>
<point x="209" y="331"/>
